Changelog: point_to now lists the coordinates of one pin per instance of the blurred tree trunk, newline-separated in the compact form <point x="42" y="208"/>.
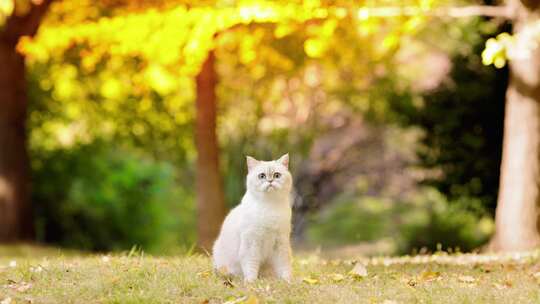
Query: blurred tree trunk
<point x="210" y="197"/>
<point x="517" y="215"/>
<point x="16" y="222"/>
<point x="15" y="211"/>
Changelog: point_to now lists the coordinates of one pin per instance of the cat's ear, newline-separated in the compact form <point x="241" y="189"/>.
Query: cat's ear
<point x="251" y="162"/>
<point x="284" y="160"/>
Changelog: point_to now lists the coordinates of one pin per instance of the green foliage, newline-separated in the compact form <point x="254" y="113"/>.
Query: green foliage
<point x="102" y="198"/>
<point x="449" y="226"/>
<point x="426" y="221"/>
<point x="351" y="221"/>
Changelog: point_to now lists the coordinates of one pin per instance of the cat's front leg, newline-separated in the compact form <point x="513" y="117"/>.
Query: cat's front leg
<point x="281" y="259"/>
<point x="250" y="257"/>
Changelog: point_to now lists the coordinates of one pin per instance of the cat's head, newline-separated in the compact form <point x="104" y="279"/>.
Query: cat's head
<point x="269" y="176"/>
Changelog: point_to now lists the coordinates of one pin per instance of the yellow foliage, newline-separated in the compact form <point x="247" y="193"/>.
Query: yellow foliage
<point x="310" y="280"/>
<point x="160" y="79"/>
<point x="175" y="37"/>
<point x="368" y="26"/>
<point x="6" y="9"/>
<point x="111" y="88"/>
<point x="173" y="43"/>
<point x="314" y="47"/>
<point x="390" y="42"/>
<point x="283" y="30"/>
<point x="496" y="50"/>
<point x="413" y="24"/>
<point x="127" y="58"/>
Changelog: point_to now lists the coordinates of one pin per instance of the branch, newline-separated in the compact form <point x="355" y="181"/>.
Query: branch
<point x="453" y="12"/>
<point x="25" y="25"/>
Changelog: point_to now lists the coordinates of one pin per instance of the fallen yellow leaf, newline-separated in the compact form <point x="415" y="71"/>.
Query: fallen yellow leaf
<point x="310" y="280"/>
<point x="204" y="274"/>
<point x="236" y="300"/>
<point x="336" y="277"/>
<point x="251" y="299"/>
<point x="428" y="276"/>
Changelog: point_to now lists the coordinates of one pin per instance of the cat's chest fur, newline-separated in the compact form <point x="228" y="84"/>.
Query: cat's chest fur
<point x="268" y="218"/>
<point x="265" y="226"/>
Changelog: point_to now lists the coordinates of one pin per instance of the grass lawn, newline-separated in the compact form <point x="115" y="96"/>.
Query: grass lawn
<point x="52" y="277"/>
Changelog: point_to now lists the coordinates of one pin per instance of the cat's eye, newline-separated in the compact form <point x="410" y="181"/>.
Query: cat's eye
<point x="277" y="175"/>
<point x="262" y="176"/>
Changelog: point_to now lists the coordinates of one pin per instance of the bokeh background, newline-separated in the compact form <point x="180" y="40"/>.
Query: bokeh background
<point x="139" y="115"/>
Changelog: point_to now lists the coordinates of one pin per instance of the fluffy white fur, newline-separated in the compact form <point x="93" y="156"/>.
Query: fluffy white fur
<point x="256" y="234"/>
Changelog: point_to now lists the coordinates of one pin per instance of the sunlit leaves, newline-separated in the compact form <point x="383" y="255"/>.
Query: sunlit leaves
<point x="507" y="47"/>
<point x="283" y="30"/>
<point x="136" y="67"/>
<point x="413" y="24"/>
<point x="176" y="36"/>
<point x="184" y="36"/>
<point x="6" y="9"/>
<point x="248" y="46"/>
<point x="315" y="47"/>
<point x="496" y="50"/>
<point x="160" y="79"/>
<point x="112" y="88"/>
<point x="390" y="42"/>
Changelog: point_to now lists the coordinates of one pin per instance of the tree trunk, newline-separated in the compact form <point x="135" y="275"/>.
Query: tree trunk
<point x="16" y="221"/>
<point x="15" y="211"/>
<point x="517" y="215"/>
<point x="210" y="197"/>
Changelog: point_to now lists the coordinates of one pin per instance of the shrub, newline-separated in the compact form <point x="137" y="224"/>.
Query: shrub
<point x="101" y="198"/>
<point x="350" y="221"/>
<point x="456" y="225"/>
<point x="427" y="221"/>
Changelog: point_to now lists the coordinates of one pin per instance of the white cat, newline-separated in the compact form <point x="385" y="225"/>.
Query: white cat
<point x="256" y="233"/>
